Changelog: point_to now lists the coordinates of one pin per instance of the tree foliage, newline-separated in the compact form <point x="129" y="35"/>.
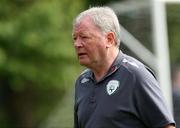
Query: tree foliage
<point x="37" y="61"/>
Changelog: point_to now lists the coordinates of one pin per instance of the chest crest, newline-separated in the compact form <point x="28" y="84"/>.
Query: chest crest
<point x="112" y="86"/>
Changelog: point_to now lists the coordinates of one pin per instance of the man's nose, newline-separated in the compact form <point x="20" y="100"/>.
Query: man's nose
<point x="78" y="43"/>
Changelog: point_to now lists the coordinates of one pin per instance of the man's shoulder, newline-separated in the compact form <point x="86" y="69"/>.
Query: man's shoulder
<point x="131" y="64"/>
<point x="135" y="67"/>
<point x="84" y="74"/>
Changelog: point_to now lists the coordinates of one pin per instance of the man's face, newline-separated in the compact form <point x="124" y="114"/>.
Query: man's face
<point x="89" y="43"/>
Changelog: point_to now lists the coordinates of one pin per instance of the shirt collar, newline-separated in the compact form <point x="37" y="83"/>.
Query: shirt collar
<point x="115" y="65"/>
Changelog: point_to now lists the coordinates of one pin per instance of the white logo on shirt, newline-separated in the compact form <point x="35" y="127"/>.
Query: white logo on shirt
<point x="84" y="80"/>
<point x="112" y="86"/>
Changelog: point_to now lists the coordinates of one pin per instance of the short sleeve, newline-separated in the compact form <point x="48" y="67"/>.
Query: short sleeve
<point x="149" y="102"/>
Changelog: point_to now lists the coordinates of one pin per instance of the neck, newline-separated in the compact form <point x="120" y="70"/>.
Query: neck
<point x="101" y="70"/>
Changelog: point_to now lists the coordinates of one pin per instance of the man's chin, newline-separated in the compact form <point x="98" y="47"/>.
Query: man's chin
<point x="84" y="63"/>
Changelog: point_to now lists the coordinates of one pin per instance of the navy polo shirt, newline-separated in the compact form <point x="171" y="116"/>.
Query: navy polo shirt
<point x="128" y="96"/>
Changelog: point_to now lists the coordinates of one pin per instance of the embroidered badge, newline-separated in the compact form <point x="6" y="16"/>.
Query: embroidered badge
<point x="112" y="86"/>
<point x="84" y="80"/>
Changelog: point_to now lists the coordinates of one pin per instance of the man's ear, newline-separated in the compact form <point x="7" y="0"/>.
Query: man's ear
<point x="110" y="39"/>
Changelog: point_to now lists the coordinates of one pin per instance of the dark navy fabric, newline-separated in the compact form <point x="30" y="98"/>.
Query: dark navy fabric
<point x="137" y="102"/>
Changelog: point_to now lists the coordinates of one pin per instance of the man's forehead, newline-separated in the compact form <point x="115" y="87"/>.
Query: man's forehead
<point x="80" y="25"/>
<point x="84" y="25"/>
<point x="80" y="28"/>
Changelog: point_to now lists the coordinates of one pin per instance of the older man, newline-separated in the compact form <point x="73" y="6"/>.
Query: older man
<point x="116" y="90"/>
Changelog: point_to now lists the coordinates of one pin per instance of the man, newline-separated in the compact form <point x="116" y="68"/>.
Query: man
<point x="116" y="91"/>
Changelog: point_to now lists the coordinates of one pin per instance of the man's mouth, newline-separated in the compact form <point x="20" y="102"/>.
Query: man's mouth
<point x="81" y="54"/>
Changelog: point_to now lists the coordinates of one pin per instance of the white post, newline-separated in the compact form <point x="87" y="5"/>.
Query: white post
<point x="162" y="49"/>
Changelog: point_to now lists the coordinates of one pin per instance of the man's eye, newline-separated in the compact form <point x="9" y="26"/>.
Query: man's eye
<point x="84" y="37"/>
<point x="74" y="38"/>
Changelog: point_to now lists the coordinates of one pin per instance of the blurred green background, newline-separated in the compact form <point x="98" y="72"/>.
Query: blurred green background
<point x="37" y="60"/>
<point x="38" y="65"/>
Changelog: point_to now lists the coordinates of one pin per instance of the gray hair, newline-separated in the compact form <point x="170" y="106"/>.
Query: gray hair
<point x="104" y="18"/>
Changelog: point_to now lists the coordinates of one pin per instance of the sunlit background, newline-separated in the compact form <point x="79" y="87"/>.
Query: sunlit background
<point x="38" y="66"/>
